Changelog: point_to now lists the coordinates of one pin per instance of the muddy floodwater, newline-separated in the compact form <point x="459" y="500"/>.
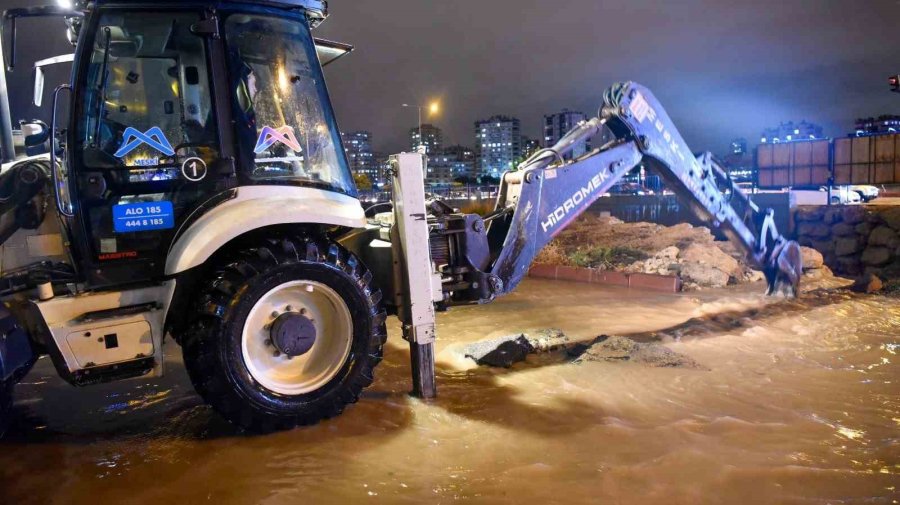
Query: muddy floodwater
<point x="800" y="404"/>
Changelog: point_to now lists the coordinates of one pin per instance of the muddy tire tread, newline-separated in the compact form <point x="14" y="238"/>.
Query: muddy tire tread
<point x="204" y="361"/>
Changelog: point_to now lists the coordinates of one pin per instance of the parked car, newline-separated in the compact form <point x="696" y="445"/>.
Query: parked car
<point x="866" y="193"/>
<point x="843" y="195"/>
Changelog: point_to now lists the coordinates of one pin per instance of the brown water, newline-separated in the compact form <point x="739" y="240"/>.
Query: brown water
<point x="802" y="405"/>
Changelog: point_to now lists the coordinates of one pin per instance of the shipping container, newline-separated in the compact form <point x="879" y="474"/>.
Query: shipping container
<point x="794" y="164"/>
<point x="867" y="160"/>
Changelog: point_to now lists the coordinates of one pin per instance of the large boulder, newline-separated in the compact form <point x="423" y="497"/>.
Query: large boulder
<point x="849" y="265"/>
<point x="892" y="218"/>
<point x="884" y="236"/>
<point x="815" y="230"/>
<point x="853" y="215"/>
<point x="703" y="275"/>
<point x="809" y="214"/>
<point x="877" y="256"/>
<point x="811" y="258"/>
<point x="712" y="256"/>
<point x="864" y="228"/>
<point x="816" y="274"/>
<point x="845" y="246"/>
<point x="823" y="246"/>
<point x="869" y="283"/>
<point x="843" y="230"/>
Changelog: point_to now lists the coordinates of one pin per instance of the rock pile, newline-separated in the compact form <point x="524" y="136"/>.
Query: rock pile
<point x="853" y="240"/>
<point x="698" y="265"/>
<point x="688" y="251"/>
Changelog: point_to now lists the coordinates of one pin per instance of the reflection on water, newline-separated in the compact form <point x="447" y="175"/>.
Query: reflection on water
<point x="801" y="406"/>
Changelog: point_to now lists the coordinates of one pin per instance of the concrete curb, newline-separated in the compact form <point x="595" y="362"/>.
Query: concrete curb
<point x="648" y="282"/>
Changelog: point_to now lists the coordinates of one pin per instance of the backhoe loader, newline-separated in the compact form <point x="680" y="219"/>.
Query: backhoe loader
<point x="195" y="192"/>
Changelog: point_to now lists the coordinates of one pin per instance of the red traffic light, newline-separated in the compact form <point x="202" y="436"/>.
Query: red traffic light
<point x="895" y="83"/>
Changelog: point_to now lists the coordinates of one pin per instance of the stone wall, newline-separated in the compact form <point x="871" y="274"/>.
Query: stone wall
<point x="854" y="240"/>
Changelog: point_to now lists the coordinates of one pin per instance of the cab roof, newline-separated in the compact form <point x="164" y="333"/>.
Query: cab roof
<point x="315" y="9"/>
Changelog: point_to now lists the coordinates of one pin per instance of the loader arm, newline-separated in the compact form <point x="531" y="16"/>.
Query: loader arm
<point x="546" y="193"/>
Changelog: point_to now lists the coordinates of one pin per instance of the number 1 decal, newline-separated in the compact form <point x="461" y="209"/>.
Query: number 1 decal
<point x="193" y="169"/>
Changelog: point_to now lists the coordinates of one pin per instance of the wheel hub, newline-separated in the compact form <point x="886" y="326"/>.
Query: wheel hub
<point x="293" y="334"/>
<point x="297" y="337"/>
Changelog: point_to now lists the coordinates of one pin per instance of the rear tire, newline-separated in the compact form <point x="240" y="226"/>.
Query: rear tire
<point x="263" y="386"/>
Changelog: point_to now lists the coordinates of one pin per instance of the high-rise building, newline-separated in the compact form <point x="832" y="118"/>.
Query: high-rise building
<point x="358" y="146"/>
<point x="431" y="137"/>
<point x="498" y="145"/>
<point x="791" y="132"/>
<point x="887" y="123"/>
<point x="559" y="124"/>
<point x="529" y="147"/>
<point x="739" y="161"/>
<point x="449" y="164"/>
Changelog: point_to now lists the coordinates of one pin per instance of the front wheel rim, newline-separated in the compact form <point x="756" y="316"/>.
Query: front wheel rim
<point x="301" y="374"/>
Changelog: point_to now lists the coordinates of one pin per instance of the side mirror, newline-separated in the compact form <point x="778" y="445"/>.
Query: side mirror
<point x="40" y="75"/>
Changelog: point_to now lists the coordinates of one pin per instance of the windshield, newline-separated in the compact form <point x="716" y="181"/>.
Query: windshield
<point x="148" y="105"/>
<point x="285" y="121"/>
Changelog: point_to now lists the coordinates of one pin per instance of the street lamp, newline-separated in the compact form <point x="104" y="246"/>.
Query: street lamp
<point x="433" y="108"/>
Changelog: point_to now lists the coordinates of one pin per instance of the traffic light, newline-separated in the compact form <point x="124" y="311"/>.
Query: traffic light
<point x="895" y="83"/>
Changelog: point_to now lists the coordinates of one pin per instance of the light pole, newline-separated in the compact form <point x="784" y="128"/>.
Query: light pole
<point x="433" y="108"/>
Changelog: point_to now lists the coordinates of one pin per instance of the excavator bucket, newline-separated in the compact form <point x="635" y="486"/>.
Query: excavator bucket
<point x="784" y="269"/>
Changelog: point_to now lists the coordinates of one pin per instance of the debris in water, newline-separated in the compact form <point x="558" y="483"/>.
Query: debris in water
<point x="867" y="284"/>
<point x="500" y="352"/>
<point x="547" y="340"/>
<point x="505" y="351"/>
<point x="618" y="349"/>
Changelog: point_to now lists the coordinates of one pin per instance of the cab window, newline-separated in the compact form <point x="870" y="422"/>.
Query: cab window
<point x="284" y="117"/>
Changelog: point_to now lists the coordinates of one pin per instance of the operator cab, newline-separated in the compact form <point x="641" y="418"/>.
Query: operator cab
<point x="176" y="105"/>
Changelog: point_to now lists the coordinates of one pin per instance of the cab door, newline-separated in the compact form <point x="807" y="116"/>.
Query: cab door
<point x="148" y="148"/>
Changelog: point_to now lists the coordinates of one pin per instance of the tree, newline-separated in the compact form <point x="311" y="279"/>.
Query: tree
<point x="362" y="182"/>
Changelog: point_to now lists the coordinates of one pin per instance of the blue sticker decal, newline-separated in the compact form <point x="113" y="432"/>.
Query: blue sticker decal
<point x="154" y="137"/>
<point x="271" y="136"/>
<point x="134" y="217"/>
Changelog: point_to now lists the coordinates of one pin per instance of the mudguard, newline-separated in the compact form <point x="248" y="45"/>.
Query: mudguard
<point x="256" y="207"/>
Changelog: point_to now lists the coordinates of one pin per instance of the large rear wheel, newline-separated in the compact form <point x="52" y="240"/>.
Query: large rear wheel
<point x="287" y="333"/>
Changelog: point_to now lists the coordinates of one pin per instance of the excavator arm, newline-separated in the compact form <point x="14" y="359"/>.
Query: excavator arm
<point x="482" y="258"/>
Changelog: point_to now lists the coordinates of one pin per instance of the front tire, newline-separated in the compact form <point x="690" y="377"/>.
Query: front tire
<point x="286" y="334"/>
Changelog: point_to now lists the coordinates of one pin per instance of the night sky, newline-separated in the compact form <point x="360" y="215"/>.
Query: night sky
<point x="722" y="68"/>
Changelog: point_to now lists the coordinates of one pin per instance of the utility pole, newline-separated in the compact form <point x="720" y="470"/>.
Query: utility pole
<point x="433" y="108"/>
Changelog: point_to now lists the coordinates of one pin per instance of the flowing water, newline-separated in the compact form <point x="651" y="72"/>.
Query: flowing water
<point x="801" y="404"/>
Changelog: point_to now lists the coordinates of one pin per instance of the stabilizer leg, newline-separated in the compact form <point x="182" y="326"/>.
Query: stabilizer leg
<point x="422" y="363"/>
<point x="420" y="285"/>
